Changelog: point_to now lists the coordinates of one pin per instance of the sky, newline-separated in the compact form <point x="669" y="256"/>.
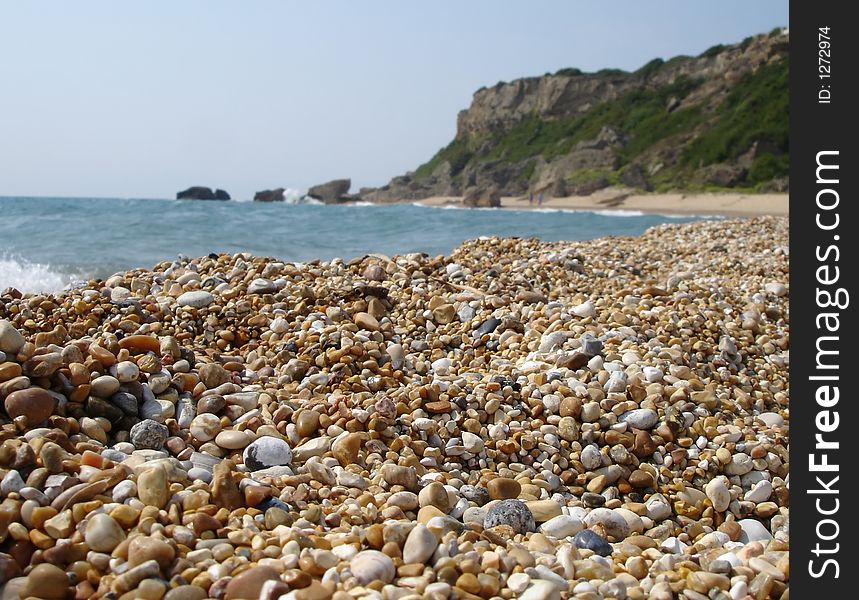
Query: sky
<point x="142" y="99"/>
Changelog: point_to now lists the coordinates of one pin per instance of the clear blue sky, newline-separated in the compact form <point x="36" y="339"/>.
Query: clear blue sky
<point x="142" y="99"/>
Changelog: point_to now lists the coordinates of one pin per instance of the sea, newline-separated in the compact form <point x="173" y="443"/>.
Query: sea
<point x="48" y="244"/>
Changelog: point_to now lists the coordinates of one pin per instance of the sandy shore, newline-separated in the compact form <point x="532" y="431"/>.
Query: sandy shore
<point x="727" y="204"/>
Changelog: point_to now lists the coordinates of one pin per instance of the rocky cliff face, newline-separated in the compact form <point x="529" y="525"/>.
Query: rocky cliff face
<point x="715" y="120"/>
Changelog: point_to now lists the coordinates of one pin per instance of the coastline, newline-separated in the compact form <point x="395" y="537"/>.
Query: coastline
<point x="679" y="203"/>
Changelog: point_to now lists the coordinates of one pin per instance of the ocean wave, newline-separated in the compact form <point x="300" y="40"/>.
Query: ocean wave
<point x="26" y="276"/>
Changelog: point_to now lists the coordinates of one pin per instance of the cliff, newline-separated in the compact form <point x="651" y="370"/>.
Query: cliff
<point x="718" y="120"/>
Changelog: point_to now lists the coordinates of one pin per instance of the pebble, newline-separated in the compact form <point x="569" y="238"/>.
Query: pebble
<point x="642" y="418"/>
<point x="407" y="402"/>
<point x="11" y="340"/>
<point x="33" y="403"/>
<point x="198" y="299"/>
<point x="592" y="541"/>
<point x="46" y="581"/>
<point x="420" y="545"/>
<point x="152" y="487"/>
<point x="370" y="565"/>
<point x="267" y="452"/>
<point x="503" y="488"/>
<point x="513" y="513"/>
<point x="149" y="434"/>
<point x="562" y="526"/>
<point x="719" y="494"/>
<point x="103" y="534"/>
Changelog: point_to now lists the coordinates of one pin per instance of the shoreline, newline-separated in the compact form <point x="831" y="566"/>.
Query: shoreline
<point x="679" y="203"/>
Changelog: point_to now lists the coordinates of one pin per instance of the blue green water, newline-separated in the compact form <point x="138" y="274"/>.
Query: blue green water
<point x="46" y="243"/>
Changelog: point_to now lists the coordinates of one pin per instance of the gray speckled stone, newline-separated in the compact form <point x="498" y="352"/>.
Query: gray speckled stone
<point x="513" y="513"/>
<point x="149" y="434"/>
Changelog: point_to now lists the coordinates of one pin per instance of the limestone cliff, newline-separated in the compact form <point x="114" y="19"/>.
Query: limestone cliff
<point x="718" y="120"/>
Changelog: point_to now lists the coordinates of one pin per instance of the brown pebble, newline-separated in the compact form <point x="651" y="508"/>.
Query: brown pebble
<point x="33" y="403"/>
<point x="503" y="488"/>
<point x="247" y="584"/>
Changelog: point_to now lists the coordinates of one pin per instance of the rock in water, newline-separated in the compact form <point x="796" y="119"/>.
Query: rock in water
<point x="514" y="513"/>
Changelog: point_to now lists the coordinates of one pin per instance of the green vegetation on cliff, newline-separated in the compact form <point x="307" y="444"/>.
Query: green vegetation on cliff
<point x="674" y="118"/>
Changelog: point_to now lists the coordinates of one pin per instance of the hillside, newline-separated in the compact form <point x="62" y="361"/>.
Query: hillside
<point x="714" y="121"/>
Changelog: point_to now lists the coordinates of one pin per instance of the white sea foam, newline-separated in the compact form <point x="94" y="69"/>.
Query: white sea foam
<point x="31" y="277"/>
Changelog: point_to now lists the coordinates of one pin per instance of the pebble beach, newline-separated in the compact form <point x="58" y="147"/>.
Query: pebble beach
<point x="520" y="419"/>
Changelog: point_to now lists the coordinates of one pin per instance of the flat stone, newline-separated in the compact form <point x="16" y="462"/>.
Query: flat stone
<point x="196" y="299"/>
<point x="753" y="531"/>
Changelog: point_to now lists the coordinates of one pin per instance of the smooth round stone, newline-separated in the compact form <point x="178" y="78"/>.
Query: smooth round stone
<point x="434" y="494"/>
<point x="543" y="510"/>
<point x="267" y="452"/>
<point x="753" y="531"/>
<point x="366" y="321"/>
<point x="641" y="418"/>
<point x="232" y="439"/>
<point x="307" y="423"/>
<point x="149" y="434"/>
<point x="371" y="565"/>
<point x="592" y="541"/>
<point x="718" y="493"/>
<point x="420" y="545"/>
<point x="503" y="488"/>
<point x="33" y="403"/>
<point x="104" y="386"/>
<point x="143" y="548"/>
<point x="11" y="340"/>
<point x="562" y="526"/>
<point x="249" y="583"/>
<point x="591" y="457"/>
<point x="262" y="286"/>
<point x="195" y="299"/>
<point x="346" y="448"/>
<point x="103" y="534"/>
<point x="127" y="371"/>
<point x="205" y="427"/>
<point x="760" y="492"/>
<point x="46" y="581"/>
<point x="514" y="513"/>
<point x="658" y="508"/>
<point x="612" y="523"/>
<point x="772" y="419"/>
